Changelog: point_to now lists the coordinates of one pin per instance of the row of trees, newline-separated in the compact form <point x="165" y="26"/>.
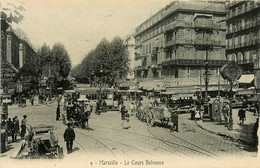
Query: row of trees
<point x="52" y="64"/>
<point x="109" y="61"/>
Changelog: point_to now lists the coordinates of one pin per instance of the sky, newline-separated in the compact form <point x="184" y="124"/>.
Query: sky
<point x="81" y="24"/>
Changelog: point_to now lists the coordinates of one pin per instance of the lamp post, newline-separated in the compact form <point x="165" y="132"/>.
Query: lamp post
<point x="232" y="72"/>
<point x="206" y="78"/>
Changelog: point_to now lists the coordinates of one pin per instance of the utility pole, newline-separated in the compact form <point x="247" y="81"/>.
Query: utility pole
<point x="206" y="77"/>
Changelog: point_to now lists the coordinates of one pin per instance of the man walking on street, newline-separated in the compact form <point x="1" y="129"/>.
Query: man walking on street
<point x="69" y="137"/>
<point x="16" y="127"/>
<point x="12" y="129"/>
<point x="23" y="126"/>
<point x="58" y="113"/>
<point x="242" y="116"/>
<point x="225" y="111"/>
<point x="175" y="121"/>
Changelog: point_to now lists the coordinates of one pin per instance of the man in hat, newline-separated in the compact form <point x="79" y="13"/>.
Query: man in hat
<point x="23" y="126"/>
<point x="69" y="137"/>
<point x="174" y="117"/>
<point x="225" y="110"/>
<point x="242" y="116"/>
<point x="58" y="113"/>
<point x="16" y="127"/>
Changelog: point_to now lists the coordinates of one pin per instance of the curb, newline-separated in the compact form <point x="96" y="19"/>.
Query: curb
<point x="231" y="138"/>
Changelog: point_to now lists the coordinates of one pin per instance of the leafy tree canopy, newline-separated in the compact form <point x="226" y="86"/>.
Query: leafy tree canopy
<point x="109" y="61"/>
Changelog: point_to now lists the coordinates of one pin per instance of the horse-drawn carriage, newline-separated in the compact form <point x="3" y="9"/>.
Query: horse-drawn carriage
<point x="79" y="112"/>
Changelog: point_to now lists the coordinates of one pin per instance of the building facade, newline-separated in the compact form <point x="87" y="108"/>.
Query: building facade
<point x="243" y="33"/>
<point x="180" y="41"/>
<point x="16" y="53"/>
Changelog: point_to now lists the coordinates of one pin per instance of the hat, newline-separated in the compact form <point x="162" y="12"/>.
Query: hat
<point x="24" y="116"/>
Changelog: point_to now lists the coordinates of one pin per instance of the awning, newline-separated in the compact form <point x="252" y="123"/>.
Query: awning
<point x="133" y="91"/>
<point x="69" y="91"/>
<point x="248" y="78"/>
<point x="256" y="98"/>
<point x="245" y="92"/>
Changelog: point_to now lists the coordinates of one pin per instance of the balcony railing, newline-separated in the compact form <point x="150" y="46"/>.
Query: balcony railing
<point x="203" y="42"/>
<point x="194" y="62"/>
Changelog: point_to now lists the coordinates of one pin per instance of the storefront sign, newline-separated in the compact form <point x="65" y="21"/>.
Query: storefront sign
<point x="231" y="71"/>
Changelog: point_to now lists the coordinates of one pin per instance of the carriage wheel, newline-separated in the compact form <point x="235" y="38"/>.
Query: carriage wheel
<point x="165" y="121"/>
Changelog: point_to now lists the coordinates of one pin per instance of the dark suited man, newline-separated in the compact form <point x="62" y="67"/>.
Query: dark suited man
<point x="69" y="136"/>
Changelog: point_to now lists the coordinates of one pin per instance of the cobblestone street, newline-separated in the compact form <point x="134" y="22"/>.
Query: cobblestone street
<point x="106" y="137"/>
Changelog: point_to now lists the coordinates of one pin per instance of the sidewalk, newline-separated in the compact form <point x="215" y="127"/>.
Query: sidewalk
<point x="36" y="103"/>
<point x="239" y="133"/>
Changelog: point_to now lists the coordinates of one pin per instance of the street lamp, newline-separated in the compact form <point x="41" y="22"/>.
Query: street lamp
<point x="206" y="78"/>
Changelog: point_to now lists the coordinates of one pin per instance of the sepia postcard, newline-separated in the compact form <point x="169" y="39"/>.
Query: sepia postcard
<point x="121" y="83"/>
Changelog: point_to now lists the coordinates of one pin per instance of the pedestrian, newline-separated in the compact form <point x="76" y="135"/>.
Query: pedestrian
<point x="9" y="125"/>
<point x="32" y="99"/>
<point x="256" y="108"/>
<point x="132" y="109"/>
<point x="254" y="133"/>
<point x="58" y="113"/>
<point x="175" y="121"/>
<point x="97" y="107"/>
<point x="23" y="126"/>
<point x="225" y="111"/>
<point x="127" y="119"/>
<point x="69" y="137"/>
<point x="242" y="116"/>
<point x="16" y="128"/>
<point x="123" y="116"/>
<point x="12" y="130"/>
<point x="156" y="102"/>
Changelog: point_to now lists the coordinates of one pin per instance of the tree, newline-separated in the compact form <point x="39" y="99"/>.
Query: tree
<point x="12" y="12"/>
<point x="60" y="60"/>
<point x="43" y="60"/>
<point x="110" y="57"/>
<point x="119" y="59"/>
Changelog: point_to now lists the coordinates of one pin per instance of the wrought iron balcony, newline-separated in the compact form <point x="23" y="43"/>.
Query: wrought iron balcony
<point x="192" y="62"/>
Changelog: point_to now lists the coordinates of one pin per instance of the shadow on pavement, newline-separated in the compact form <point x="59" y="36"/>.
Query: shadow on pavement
<point x="158" y="124"/>
<point x="246" y="132"/>
<point x="75" y="149"/>
<point x="7" y="148"/>
<point x="89" y="129"/>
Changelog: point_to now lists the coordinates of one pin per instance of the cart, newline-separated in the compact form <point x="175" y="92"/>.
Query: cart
<point x="161" y="113"/>
<point x="41" y="142"/>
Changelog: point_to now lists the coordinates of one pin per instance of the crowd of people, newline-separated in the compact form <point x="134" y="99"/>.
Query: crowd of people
<point x="14" y="128"/>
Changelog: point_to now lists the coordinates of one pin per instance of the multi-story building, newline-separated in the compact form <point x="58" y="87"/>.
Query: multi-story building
<point x="180" y="40"/>
<point x="15" y="54"/>
<point x="243" y="33"/>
